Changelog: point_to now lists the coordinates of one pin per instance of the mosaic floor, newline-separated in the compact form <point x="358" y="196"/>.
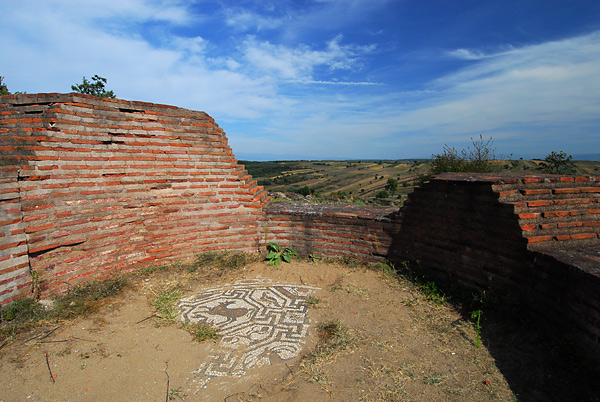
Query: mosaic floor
<point x="259" y="323"/>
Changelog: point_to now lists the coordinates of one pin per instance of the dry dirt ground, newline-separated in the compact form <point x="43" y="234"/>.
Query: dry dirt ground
<point x="390" y="344"/>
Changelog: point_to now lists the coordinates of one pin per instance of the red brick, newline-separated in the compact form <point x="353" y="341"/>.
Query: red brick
<point x="554" y="214"/>
<point x="11" y="245"/>
<point x="537" y="239"/>
<point x="536" y="191"/>
<point x="562" y="225"/>
<point x="583" y="236"/>
<point x="33" y="229"/>
<point x="539" y="203"/>
<point x="10" y="222"/>
<point x="565" y="190"/>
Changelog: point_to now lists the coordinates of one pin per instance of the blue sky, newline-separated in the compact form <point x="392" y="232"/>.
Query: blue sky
<point x="331" y="79"/>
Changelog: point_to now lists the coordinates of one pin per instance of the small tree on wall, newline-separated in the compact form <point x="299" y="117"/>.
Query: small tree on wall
<point x="95" y="88"/>
<point x="3" y="87"/>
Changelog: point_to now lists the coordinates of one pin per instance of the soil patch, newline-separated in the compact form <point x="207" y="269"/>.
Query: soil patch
<point x="366" y="336"/>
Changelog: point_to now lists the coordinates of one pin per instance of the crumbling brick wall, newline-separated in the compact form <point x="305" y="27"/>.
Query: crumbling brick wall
<point x="96" y="186"/>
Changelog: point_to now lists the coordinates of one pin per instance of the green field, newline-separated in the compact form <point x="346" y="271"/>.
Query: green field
<point x="365" y="179"/>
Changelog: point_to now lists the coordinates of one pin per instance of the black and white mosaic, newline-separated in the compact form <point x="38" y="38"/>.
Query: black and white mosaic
<point x="259" y="324"/>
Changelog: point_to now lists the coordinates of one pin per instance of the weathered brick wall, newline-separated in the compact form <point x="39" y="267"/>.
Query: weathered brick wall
<point x="110" y="186"/>
<point x="533" y="240"/>
<point x="556" y="209"/>
<point x="332" y="230"/>
<point x="14" y="260"/>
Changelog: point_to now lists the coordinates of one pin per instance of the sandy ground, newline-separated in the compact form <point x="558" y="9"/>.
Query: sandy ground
<point x="398" y="346"/>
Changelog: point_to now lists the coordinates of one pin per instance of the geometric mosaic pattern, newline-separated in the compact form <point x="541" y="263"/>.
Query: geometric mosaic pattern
<point x="259" y="324"/>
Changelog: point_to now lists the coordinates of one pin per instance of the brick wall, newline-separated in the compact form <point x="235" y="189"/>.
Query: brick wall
<point x="14" y="260"/>
<point x="332" y="230"/>
<point x="532" y="240"/>
<point x="103" y="186"/>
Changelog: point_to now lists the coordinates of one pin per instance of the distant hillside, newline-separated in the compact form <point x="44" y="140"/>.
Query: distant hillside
<point x="365" y="178"/>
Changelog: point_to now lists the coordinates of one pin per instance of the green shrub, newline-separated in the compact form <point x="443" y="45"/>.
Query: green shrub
<point x="383" y="194"/>
<point x="477" y="159"/>
<point x="558" y="163"/>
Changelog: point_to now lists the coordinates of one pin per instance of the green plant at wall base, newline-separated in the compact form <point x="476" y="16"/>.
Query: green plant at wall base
<point x="478" y="299"/>
<point x="433" y="293"/>
<point x="276" y="254"/>
<point x="476" y="316"/>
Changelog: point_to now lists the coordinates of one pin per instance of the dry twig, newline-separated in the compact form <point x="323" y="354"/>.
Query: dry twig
<point x="145" y="319"/>
<point x="50" y="370"/>
<point x="168" y="381"/>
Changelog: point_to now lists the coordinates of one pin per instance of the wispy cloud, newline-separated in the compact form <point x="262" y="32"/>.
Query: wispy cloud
<point x="359" y="83"/>
<point x="298" y="62"/>
<point x="243" y="20"/>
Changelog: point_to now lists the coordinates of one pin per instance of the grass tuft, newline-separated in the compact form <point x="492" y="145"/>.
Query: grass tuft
<point x="165" y="303"/>
<point x="334" y="337"/>
<point x="221" y="261"/>
<point x="25" y="312"/>
<point x="202" y="332"/>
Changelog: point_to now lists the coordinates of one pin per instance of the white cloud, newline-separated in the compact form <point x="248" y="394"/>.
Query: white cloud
<point x="298" y="63"/>
<point x="243" y="20"/>
<point x="466" y="54"/>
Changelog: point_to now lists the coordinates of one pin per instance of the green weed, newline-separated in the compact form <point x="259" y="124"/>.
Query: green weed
<point x="433" y="293"/>
<point x="202" y="332"/>
<point x="165" y="303"/>
<point x="432" y="379"/>
<point x="478" y="299"/>
<point x="276" y="254"/>
<point x="314" y="257"/>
